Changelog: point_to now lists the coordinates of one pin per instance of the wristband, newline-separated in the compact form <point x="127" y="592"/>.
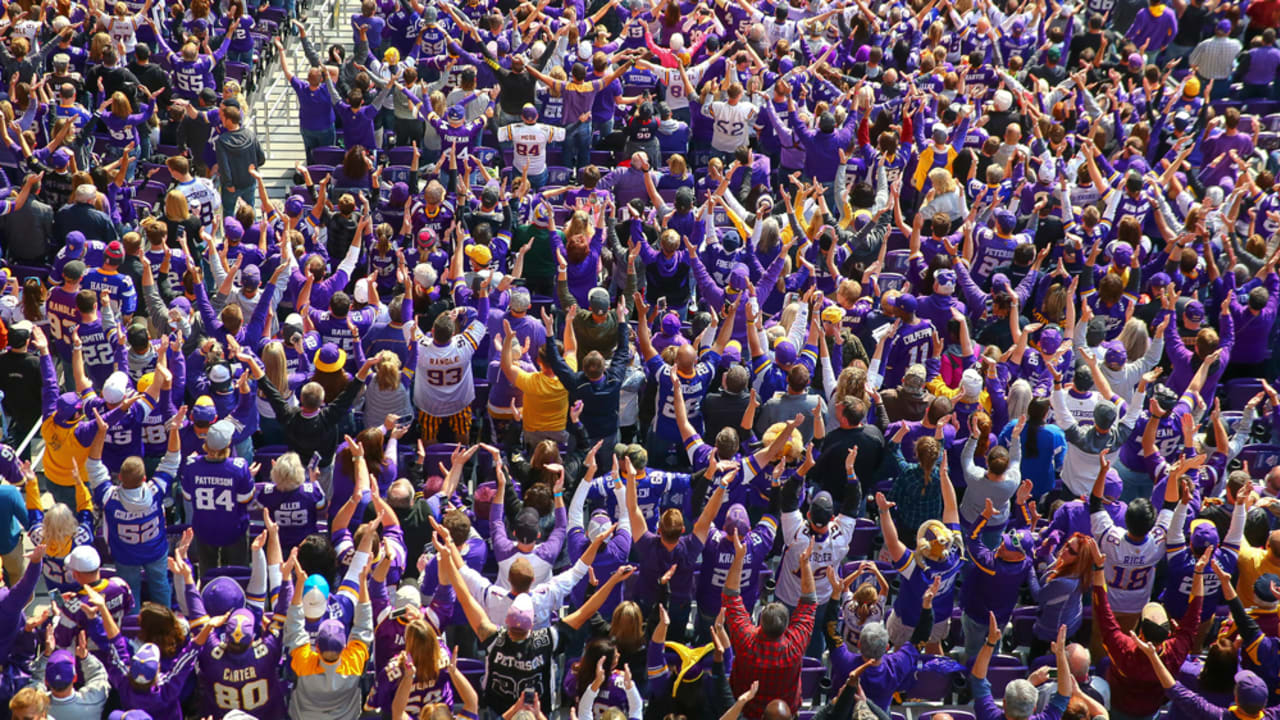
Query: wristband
<point x="991" y="644"/>
<point x="1098" y="568"/>
<point x="559" y="494"/>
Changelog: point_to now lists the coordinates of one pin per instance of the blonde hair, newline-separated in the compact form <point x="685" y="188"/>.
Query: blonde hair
<point x="626" y="627"/>
<point x="387" y="370"/>
<point x="423" y="645"/>
<point x="60" y="525"/>
<point x="176" y="206"/>
<point x="29" y="700"/>
<point x="942" y="181"/>
<point x="677" y="164"/>
<point x="274" y="364"/>
<point x="287" y="473"/>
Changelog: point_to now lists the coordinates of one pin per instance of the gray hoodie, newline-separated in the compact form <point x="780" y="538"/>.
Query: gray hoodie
<point x="237" y="150"/>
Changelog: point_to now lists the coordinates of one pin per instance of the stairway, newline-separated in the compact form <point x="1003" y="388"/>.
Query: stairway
<point x="275" y="105"/>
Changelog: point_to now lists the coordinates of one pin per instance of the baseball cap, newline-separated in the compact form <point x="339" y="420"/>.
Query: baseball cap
<point x="220" y="435"/>
<point x="1159" y="281"/>
<point x="906" y="303"/>
<point x="599" y="524"/>
<point x="455" y="113"/>
<point x="821" y="508"/>
<point x="1262" y="587"/>
<point x="670" y="324"/>
<point x="1096" y="331"/>
<point x="1112" y="485"/>
<point x="407" y="596"/>
<point x="20" y="333"/>
<point x="60" y="159"/>
<point x="115" y="251"/>
<point x="1002" y="100"/>
<point x="1251" y="693"/>
<point x="833" y="314"/>
<point x="130" y="715"/>
<point x="315" y="597"/>
<point x="222" y="595"/>
<point x="1006" y="221"/>
<point x="1121" y="253"/>
<point x="1115" y="353"/>
<point x="84" y="559"/>
<point x="520" y="613"/>
<point x="145" y="664"/>
<point x="971" y="383"/>
<point x="241" y="627"/>
<point x="526" y="526"/>
<point x="939" y="132"/>
<point x="1019" y="25"/>
<point x="529" y="112"/>
<point x="68" y="406"/>
<point x="1165" y="397"/>
<point x="220" y="374"/>
<point x="250" y="277"/>
<point x="479" y="253"/>
<point x="1203" y="534"/>
<point x="736" y="518"/>
<point x="784" y="353"/>
<point x="232" y="228"/>
<point x="1135" y="60"/>
<point x="1223" y="26"/>
<point x="1193" y="312"/>
<point x="541" y="215"/>
<point x="738" y="277"/>
<point x="1104" y="414"/>
<point x="331" y="637"/>
<point x="1050" y="340"/>
<point x="520" y="300"/>
<point x="180" y="304"/>
<point x="1055" y="53"/>
<point x="116" y="387"/>
<point x="60" y="671"/>
<point x="598" y="300"/>
<point x="204" y="410"/>
<point x="294" y="205"/>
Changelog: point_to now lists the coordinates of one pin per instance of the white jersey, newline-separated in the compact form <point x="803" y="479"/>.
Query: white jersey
<point x="677" y="97"/>
<point x="1081" y="408"/>
<point x="530" y="144"/>
<point x="124" y="30"/>
<point x="442" y="383"/>
<point x="1130" y="566"/>
<point x="732" y="124"/>
<point x="828" y="552"/>
<point x="203" y="199"/>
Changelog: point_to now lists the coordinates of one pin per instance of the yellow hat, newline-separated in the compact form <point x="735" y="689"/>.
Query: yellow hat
<point x="144" y="382"/>
<point x="479" y="253"/>
<point x="689" y="659"/>
<point x="793" y="446"/>
<point x="1192" y="88"/>
<point x="391" y="56"/>
<point x="833" y="314"/>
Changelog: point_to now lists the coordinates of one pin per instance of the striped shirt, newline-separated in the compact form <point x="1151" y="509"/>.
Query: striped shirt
<point x="1215" y="57"/>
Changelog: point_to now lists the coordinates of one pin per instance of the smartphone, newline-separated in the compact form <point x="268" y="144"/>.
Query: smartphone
<point x="1053" y="673"/>
<point x="528" y="697"/>
<point x="315" y="463"/>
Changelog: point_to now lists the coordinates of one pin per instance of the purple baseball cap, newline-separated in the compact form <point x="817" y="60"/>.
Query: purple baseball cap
<point x="736" y="518"/>
<point x="250" y="277"/>
<point x="1121" y="253"/>
<point x="145" y="665"/>
<point x="1000" y="280"/>
<point x="1223" y="26"/>
<point x="180" y="304"/>
<point x="68" y="407"/>
<point x="1135" y="60"/>
<point x="520" y="613"/>
<point x="455" y="113"/>
<point x="738" y="277"/>
<point x="784" y="353"/>
<point x="399" y="193"/>
<point x="1112" y="485"/>
<point x="60" y="671"/>
<point x="60" y="159"/>
<point x="1050" y="340"/>
<point x="1203" y="534"/>
<point x="221" y="595"/>
<point x="1018" y="26"/>
<point x="294" y="205"/>
<point x="906" y="303"/>
<point x="670" y="324"/>
<point x="1193" y="312"/>
<point x="1159" y="281"/>
<point x="1006" y="221"/>
<point x="331" y="637"/>
<point x="75" y="239"/>
<point x="732" y="354"/>
<point x="1251" y="693"/>
<point x="232" y="228"/>
<point x="529" y="113"/>
<point x="1114" y="353"/>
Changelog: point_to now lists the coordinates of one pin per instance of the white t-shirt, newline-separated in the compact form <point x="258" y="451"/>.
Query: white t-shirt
<point x="530" y="144"/>
<point x="732" y="124"/>
<point x="442" y="383"/>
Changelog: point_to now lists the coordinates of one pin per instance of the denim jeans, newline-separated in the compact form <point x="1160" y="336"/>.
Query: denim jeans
<point x="577" y="145"/>
<point x="975" y="636"/>
<point x="537" y="181"/>
<point x="1137" y="483"/>
<point x="111" y="153"/>
<point x="156" y="574"/>
<point x="603" y="127"/>
<point x="248" y="193"/>
<point x="312" y="139"/>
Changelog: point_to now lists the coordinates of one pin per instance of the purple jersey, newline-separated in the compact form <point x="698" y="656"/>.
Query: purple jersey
<point x="993" y="251"/>
<point x="718" y="556"/>
<point x="247" y="681"/>
<point x="63" y="318"/>
<point x="911" y="346"/>
<point x="102" y="352"/>
<point x="296" y="511"/>
<point x="220" y="492"/>
<point x="73" y="618"/>
<point x="423" y="694"/>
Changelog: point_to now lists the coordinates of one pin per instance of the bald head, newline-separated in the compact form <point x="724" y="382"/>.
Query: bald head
<point x="778" y="710"/>
<point x="1078" y="660"/>
<point x="400" y="494"/>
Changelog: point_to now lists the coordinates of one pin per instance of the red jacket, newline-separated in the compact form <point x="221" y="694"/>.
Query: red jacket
<point x="1135" y="688"/>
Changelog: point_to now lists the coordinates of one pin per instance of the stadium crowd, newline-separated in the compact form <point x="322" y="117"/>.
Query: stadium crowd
<point x="642" y="361"/>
